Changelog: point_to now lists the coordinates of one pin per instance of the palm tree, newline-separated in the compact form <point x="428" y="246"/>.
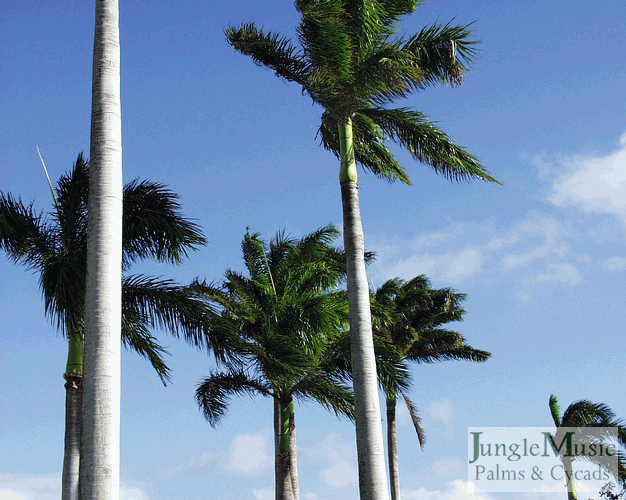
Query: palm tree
<point x="350" y="64"/>
<point x="285" y="319"/>
<point x="100" y="470"/>
<point x="600" y="420"/>
<point x="57" y="249"/>
<point x="410" y="315"/>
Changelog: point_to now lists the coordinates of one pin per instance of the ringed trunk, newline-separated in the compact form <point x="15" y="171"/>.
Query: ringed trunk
<point x="392" y="449"/>
<point x="73" y="419"/>
<point x="100" y="457"/>
<point x="284" y="485"/>
<point x="369" y="433"/>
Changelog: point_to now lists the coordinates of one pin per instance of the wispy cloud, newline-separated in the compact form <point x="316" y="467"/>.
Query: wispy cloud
<point x="450" y="466"/>
<point x="537" y="248"/>
<point x="263" y="494"/>
<point x="455" y="490"/>
<point x="531" y="251"/>
<point x="248" y="454"/>
<point x="442" y="411"/>
<point x="336" y="456"/>
<point x="593" y="182"/>
<point x="615" y="263"/>
<point x="48" y="487"/>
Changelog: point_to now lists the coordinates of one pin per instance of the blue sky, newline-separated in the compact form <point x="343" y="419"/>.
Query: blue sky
<point x="542" y="258"/>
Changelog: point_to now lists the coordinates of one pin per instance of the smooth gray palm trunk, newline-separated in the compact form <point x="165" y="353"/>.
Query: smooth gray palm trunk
<point x="293" y="448"/>
<point x="73" y="427"/>
<point x="369" y="430"/>
<point x="392" y="449"/>
<point x="369" y="433"/>
<point x="100" y="457"/>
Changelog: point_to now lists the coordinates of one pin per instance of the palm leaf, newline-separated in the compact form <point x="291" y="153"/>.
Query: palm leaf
<point x="442" y="52"/>
<point x="24" y="235"/>
<point x="136" y="337"/>
<point x="269" y="50"/>
<point x="417" y="421"/>
<point x="427" y="143"/>
<point x="154" y="226"/>
<point x="213" y="393"/>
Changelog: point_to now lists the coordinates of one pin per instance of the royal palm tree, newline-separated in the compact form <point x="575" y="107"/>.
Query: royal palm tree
<point x="100" y="470"/>
<point x="56" y="248"/>
<point x="410" y="316"/>
<point x="350" y="63"/>
<point x="286" y="319"/>
<point x="600" y="420"/>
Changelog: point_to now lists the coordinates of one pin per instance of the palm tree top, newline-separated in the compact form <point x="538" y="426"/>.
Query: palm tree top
<point x="55" y="246"/>
<point x="601" y="419"/>
<point x="279" y="324"/>
<point x="351" y="62"/>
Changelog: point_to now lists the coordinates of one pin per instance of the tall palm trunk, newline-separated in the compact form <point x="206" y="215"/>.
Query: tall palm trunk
<point x="100" y="458"/>
<point x="369" y="432"/>
<point x="392" y="449"/>
<point x="569" y="479"/>
<point x="283" y="418"/>
<point x="73" y="418"/>
<point x="293" y="472"/>
<point x="293" y="449"/>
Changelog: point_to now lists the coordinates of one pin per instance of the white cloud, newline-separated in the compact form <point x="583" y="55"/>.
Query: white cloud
<point x="449" y="466"/>
<point x="310" y="496"/>
<point x="594" y="183"/>
<point x="558" y="492"/>
<point x="564" y="272"/>
<point x="48" y="487"/>
<point x="442" y="411"/>
<point x="263" y="494"/>
<point x="341" y="475"/>
<point x="131" y="493"/>
<point x="336" y="456"/>
<point x="532" y="251"/>
<point x="332" y="449"/>
<point x="248" y="453"/>
<point x="455" y="490"/>
<point x="11" y="495"/>
<point x="615" y="263"/>
<point x="209" y="461"/>
<point x="451" y="266"/>
<point x="30" y="487"/>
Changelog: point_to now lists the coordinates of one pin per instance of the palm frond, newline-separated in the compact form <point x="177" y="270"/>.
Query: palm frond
<point x="136" y="337"/>
<point x="161" y="303"/>
<point x="70" y="213"/>
<point x="333" y="396"/>
<point x="213" y="393"/>
<point x="154" y="226"/>
<point x="417" y="421"/>
<point x="443" y="345"/>
<point x="584" y="413"/>
<point x="24" y="235"/>
<point x="427" y="143"/>
<point x="325" y="38"/>
<point x="442" y="53"/>
<point x="372" y="22"/>
<point x="269" y="50"/>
